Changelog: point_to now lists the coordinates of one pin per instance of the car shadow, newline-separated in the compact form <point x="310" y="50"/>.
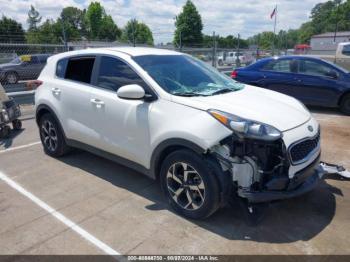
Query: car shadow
<point x="8" y="141"/>
<point x="286" y="221"/>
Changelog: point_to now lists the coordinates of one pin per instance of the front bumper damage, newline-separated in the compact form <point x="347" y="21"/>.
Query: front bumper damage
<point x="303" y="181"/>
<point x="260" y="171"/>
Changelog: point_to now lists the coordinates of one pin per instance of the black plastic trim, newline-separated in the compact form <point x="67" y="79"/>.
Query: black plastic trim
<point x="120" y="160"/>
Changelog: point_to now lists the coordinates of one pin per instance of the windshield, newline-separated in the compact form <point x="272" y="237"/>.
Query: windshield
<point x="186" y="76"/>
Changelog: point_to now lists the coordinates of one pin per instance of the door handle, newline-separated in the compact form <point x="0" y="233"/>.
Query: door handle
<point x="99" y="103"/>
<point x="56" y="91"/>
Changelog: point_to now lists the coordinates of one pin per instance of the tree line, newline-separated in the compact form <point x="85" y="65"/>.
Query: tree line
<point x="94" y="23"/>
<point x="74" y="24"/>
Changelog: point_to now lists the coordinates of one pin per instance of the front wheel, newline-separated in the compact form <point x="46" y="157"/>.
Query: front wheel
<point x="345" y="104"/>
<point x="190" y="184"/>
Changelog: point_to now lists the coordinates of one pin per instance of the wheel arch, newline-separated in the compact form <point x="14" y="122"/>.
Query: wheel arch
<point x="45" y="109"/>
<point x="342" y="96"/>
<point x="167" y="147"/>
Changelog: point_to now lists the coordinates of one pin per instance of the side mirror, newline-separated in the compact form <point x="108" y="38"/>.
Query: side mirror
<point x="131" y="92"/>
<point x="332" y="74"/>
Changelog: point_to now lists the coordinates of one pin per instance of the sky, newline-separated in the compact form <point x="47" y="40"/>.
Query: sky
<point x="246" y="17"/>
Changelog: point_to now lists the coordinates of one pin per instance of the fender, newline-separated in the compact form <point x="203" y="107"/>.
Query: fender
<point x="162" y="150"/>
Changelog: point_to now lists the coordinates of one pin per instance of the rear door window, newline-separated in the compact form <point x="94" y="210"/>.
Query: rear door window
<point x="80" y="69"/>
<point x="114" y="73"/>
<point x="284" y="65"/>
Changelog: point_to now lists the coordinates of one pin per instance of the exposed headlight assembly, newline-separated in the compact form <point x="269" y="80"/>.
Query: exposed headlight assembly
<point x="245" y="127"/>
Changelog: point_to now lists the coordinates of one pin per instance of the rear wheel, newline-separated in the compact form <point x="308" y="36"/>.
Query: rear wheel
<point x="345" y="104"/>
<point x="11" y="78"/>
<point x="190" y="184"/>
<point x="5" y="131"/>
<point x="52" y="137"/>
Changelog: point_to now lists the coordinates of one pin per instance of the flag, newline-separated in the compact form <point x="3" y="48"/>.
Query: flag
<point x="273" y="12"/>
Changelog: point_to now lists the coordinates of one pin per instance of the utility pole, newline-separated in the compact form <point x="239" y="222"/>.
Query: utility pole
<point x="238" y="62"/>
<point x="336" y="22"/>
<point x="214" y="51"/>
<point x="133" y="33"/>
<point x="274" y="32"/>
<point x="64" y="36"/>
<point x="180" y="35"/>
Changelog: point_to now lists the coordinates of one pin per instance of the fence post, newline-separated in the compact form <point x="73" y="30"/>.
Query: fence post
<point x="214" y="51"/>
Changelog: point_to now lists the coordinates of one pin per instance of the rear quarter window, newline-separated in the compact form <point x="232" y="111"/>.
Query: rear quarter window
<point x="61" y="68"/>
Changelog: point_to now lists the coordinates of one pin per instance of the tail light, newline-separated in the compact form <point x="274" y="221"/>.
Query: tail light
<point x="34" y="84"/>
<point x="234" y="74"/>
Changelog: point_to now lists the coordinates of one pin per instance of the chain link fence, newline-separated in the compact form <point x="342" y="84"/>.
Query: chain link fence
<point x="22" y="62"/>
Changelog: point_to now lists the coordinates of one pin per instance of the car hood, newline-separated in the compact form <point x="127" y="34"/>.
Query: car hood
<point x="280" y="111"/>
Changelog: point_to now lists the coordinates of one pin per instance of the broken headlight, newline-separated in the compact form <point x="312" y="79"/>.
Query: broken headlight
<point x="245" y="127"/>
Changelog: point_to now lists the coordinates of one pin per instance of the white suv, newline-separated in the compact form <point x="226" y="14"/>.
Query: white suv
<point x="205" y="137"/>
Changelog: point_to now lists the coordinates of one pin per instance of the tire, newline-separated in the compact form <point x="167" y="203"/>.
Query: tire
<point x="52" y="137"/>
<point x="345" y="104"/>
<point x="11" y="78"/>
<point x="17" y="124"/>
<point x="196" y="197"/>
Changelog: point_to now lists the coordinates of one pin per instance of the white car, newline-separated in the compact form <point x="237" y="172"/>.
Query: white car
<point x="204" y="136"/>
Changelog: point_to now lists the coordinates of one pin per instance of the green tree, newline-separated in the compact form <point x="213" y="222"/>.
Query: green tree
<point x="138" y="33"/>
<point x="73" y="21"/>
<point x="50" y="32"/>
<point x="189" y="25"/>
<point x="109" y="30"/>
<point x="11" y="31"/>
<point x="94" y="17"/>
<point x="33" y="18"/>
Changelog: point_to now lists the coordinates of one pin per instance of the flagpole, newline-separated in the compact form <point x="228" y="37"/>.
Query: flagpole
<point x="274" y="32"/>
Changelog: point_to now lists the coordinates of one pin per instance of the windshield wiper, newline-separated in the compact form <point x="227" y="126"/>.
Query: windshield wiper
<point x="187" y="94"/>
<point x="222" y="91"/>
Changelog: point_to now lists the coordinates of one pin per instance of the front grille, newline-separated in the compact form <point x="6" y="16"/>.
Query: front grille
<point x="300" y="151"/>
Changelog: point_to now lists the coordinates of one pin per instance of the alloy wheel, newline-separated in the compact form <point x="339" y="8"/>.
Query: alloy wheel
<point x="49" y="135"/>
<point x="11" y="78"/>
<point x="185" y="186"/>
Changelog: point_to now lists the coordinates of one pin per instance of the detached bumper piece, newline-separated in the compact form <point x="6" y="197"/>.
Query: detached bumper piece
<point x="304" y="181"/>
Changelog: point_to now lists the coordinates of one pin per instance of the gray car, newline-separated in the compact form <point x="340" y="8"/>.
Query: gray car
<point x="25" y="67"/>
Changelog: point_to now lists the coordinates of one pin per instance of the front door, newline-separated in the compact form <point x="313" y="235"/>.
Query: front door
<point x="318" y="87"/>
<point x="121" y="126"/>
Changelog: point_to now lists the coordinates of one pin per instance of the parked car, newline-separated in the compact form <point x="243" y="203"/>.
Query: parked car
<point x="230" y="58"/>
<point x="311" y="80"/>
<point x="25" y="67"/>
<point x="170" y="116"/>
<point x="341" y="56"/>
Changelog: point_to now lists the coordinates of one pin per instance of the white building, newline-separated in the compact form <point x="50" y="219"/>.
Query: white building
<point x="325" y="42"/>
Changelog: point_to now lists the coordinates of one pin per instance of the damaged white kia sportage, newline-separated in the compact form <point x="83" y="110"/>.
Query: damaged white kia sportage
<point x="205" y="137"/>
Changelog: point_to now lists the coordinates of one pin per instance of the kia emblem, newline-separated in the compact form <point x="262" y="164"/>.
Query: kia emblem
<point x="310" y="128"/>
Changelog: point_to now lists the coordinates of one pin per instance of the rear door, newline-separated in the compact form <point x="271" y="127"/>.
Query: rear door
<point x="280" y="75"/>
<point x="71" y="92"/>
<point x="318" y="86"/>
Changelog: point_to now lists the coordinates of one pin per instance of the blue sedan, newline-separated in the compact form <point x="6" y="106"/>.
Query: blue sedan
<point x="311" y="80"/>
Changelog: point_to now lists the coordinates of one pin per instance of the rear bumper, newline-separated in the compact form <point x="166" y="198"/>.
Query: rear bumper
<point x="303" y="182"/>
